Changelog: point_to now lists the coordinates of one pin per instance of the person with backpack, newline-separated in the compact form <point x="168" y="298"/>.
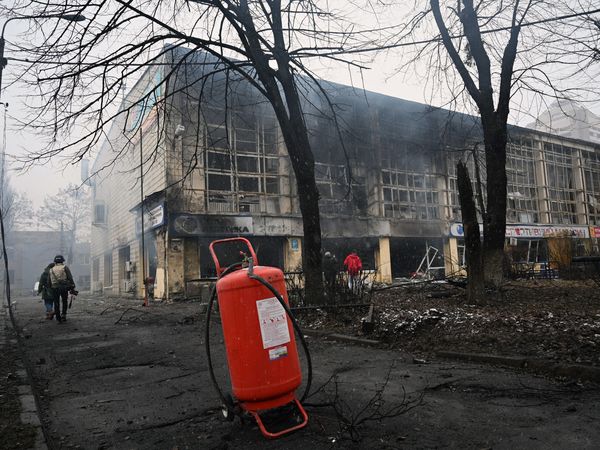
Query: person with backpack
<point x="62" y="282"/>
<point x="45" y="289"/>
<point x="353" y="266"/>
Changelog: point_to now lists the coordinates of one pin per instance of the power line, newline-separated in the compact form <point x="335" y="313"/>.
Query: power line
<point x="317" y="54"/>
<point x="462" y="35"/>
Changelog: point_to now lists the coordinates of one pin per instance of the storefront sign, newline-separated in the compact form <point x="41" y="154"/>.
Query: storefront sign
<point x="153" y="218"/>
<point x="595" y="232"/>
<point x="457" y="230"/>
<point x="199" y="225"/>
<point x="533" y="231"/>
<point x="295" y="244"/>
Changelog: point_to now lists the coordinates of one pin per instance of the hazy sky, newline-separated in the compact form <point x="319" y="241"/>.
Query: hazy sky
<point x="38" y="181"/>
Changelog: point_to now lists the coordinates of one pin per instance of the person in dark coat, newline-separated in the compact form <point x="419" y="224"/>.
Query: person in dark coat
<point x="45" y="289"/>
<point x="330" y="270"/>
<point x="62" y="282"/>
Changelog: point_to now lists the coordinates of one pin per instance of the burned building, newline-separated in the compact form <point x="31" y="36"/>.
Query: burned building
<point x="199" y="156"/>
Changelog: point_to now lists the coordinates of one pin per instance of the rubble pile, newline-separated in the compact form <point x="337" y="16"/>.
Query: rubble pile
<point x="550" y="319"/>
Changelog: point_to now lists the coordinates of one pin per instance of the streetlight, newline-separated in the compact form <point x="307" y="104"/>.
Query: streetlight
<point x="69" y="17"/>
<point x="3" y="62"/>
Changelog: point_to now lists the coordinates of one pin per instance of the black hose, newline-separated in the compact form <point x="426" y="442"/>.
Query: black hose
<point x="288" y="312"/>
<point x="211" y="372"/>
<point x="207" y="346"/>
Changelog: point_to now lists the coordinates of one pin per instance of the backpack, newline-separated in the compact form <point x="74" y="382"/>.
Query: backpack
<point x="58" y="276"/>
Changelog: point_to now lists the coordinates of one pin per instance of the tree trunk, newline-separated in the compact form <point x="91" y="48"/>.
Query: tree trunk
<point x="308" y="195"/>
<point x="295" y="135"/>
<point x="494" y="220"/>
<point x="473" y="250"/>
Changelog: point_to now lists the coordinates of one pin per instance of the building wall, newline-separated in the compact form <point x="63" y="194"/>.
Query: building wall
<point x="133" y="150"/>
<point x="390" y="189"/>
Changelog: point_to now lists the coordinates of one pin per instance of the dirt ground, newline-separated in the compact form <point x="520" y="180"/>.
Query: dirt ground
<point x="548" y="319"/>
<point x="120" y="376"/>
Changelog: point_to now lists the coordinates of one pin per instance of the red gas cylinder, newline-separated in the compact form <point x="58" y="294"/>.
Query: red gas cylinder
<point x="259" y="338"/>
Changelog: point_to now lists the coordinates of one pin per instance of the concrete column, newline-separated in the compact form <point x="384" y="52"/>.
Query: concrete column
<point x="175" y="256"/>
<point x="383" y="261"/>
<point x="580" y="204"/>
<point x="138" y="256"/>
<point x="540" y="181"/>
<point x="451" y="259"/>
<point x="160" y="282"/>
<point x="292" y="254"/>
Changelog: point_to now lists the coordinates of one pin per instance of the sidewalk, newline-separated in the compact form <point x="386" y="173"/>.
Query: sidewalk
<point x="121" y="376"/>
<point x="20" y="426"/>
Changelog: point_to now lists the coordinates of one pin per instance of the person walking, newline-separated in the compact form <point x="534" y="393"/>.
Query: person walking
<point x="45" y="289"/>
<point x="353" y="266"/>
<point x="62" y="282"/>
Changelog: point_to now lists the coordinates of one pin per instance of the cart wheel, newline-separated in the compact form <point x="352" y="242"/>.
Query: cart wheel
<point x="228" y="408"/>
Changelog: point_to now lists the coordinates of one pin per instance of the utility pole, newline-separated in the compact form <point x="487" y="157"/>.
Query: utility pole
<point x="3" y="62"/>
<point x="143" y="258"/>
<point x="62" y="238"/>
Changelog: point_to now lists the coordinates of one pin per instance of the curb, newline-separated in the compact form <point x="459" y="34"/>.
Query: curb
<point x="341" y="337"/>
<point x="574" y="371"/>
<point x="30" y="415"/>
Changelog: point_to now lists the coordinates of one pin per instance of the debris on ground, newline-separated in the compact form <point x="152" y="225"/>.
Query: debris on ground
<point x="547" y="319"/>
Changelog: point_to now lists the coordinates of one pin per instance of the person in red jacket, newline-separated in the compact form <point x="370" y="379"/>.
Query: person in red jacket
<point x="353" y="266"/>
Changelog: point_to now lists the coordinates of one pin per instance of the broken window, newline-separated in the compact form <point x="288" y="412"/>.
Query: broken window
<point x="247" y="164"/>
<point x="409" y="195"/>
<point x="235" y="171"/>
<point x="337" y="195"/>
<point x="522" y="193"/>
<point x="218" y="182"/>
<point x="248" y="184"/>
<point x="591" y="169"/>
<point x="560" y="182"/>
<point x="219" y="161"/>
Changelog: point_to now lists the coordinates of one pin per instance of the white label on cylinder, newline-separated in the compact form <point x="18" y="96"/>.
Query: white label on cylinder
<point x="273" y="322"/>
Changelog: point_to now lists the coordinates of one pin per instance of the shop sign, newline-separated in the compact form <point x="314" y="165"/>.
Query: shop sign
<point x="199" y="225"/>
<point x="595" y="232"/>
<point x="153" y="218"/>
<point x="295" y="244"/>
<point x="533" y="231"/>
<point x="457" y="230"/>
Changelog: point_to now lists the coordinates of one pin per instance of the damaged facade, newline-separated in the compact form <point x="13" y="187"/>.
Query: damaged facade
<point x="201" y="156"/>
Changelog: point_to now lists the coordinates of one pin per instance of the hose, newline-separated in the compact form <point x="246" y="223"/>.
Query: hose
<point x="297" y="328"/>
<point x="211" y="372"/>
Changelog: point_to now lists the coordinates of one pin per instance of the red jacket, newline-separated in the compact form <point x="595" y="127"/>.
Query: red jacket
<point x="353" y="263"/>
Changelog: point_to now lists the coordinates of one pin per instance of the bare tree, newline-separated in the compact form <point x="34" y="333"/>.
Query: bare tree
<point x="16" y="207"/>
<point x="68" y="211"/>
<point x="81" y="67"/>
<point x="508" y="55"/>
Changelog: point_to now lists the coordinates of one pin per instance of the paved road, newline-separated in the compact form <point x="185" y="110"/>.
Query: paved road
<point x="120" y="376"/>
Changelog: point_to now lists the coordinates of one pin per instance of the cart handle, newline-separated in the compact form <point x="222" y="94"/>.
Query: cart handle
<point x="223" y="241"/>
